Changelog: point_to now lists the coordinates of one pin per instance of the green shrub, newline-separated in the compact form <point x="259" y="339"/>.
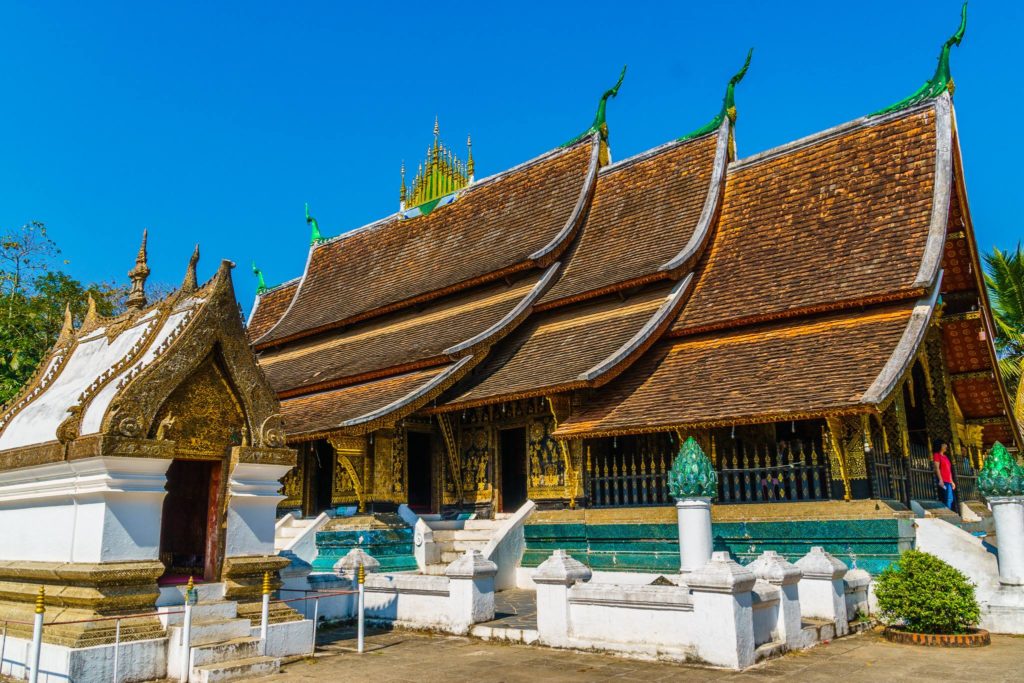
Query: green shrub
<point x="925" y="595"/>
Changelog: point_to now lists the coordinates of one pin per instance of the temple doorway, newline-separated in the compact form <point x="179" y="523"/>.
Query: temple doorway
<point x="421" y="473"/>
<point x="513" y="468"/>
<point x="188" y="526"/>
<point x="319" y="469"/>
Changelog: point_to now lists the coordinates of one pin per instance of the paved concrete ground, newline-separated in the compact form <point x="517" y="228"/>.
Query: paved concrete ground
<point x="424" y="658"/>
<point x="515" y="608"/>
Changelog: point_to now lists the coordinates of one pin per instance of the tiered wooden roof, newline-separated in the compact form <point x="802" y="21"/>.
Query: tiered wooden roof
<point x="691" y="288"/>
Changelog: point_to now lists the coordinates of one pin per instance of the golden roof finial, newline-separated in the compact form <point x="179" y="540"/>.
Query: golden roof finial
<point x="137" y="296"/>
<point x="469" y="161"/>
<point x="67" y="330"/>
<point x="440" y="174"/>
<point x="437" y="128"/>
<point x="191" y="282"/>
<point x="91" y="316"/>
<point x="402" y="190"/>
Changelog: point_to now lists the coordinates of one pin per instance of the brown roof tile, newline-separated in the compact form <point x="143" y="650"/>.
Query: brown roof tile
<point x="496" y="225"/>
<point x="551" y="350"/>
<point x="270" y="306"/>
<point x="843" y="218"/>
<point x="402" y="338"/>
<point x="766" y="372"/>
<point x="643" y="214"/>
<point x="325" y="411"/>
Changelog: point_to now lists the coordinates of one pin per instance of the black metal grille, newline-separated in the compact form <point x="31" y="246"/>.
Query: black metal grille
<point x="784" y="471"/>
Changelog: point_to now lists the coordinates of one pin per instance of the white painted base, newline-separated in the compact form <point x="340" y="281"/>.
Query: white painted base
<point x="141" y="660"/>
<point x="288" y="639"/>
<point x="1004" y="612"/>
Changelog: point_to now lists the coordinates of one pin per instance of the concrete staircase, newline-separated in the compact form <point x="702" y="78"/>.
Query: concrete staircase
<point x="223" y="647"/>
<point x="455" y="537"/>
<point x="288" y="529"/>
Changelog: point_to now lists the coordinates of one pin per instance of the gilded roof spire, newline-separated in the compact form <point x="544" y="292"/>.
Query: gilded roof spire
<point x="67" y="330"/>
<point x="137" y="296"/>
<point x="191" y="282"/>
<point x="600" y="124"/>
<point x="402" y="191"/>
<point x="439" y="175"/>
<point x="261" y="285"/>
<point x="469" y="162"/>
<point x="942" y="80"/>
<point x="728" y="104"/>
<point x="314" y="237"/>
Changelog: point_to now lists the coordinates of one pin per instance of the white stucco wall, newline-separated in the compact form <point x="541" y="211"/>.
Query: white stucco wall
<point x="252" y="508"/>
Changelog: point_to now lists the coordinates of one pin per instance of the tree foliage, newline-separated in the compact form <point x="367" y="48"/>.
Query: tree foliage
<point x="1005" y="281"/>
<point x="33" y="294"/>
<point x="925" y="595"/>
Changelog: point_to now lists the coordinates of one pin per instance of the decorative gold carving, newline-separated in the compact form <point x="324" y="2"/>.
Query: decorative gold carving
<point x="453" y="473"/>
<point x="293" y="483"/>
<point x="547" y="461"/>
<point x="560" y="406"/>
<point x="477" y="454"/>
<point x="350" y="454"/>
<point x="214" y="414"/>
<point x="842" y="434"/>
<point x="389" y="461"/>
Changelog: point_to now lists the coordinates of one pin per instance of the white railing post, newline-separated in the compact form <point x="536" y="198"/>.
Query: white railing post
<point x="361" y="608"/>
<point x="117" y="646"/>
<point x="37" y="636"/>
<point x="265" y="614"/>
<point x="186" y="632"/>
<point x="316" y="615"/>
<point x="3" y="649"/>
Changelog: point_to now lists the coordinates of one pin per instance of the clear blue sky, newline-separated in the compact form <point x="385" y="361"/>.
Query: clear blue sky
<point x="213" y="124"/>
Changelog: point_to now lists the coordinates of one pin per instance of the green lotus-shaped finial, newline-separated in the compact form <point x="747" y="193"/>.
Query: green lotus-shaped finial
<point x="1001" y="475"/>
<point x="692" y="474"/>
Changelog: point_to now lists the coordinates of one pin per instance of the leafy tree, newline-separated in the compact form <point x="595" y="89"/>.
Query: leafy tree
<point x="1005" y="281"/>
<point x="33" y="295"/>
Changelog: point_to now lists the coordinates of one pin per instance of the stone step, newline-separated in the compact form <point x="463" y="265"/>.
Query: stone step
<point x="435" y="569"/>
<point x="491" y="524"/>
<point x="463" y="546"/>
<point x="449" y="556"/>
<point x="463" y="535"/>
<point x="228" y="651"/>
<point x="214" y="631"/>
<point x="240" y="668"/>
<point x="215" y="610"/>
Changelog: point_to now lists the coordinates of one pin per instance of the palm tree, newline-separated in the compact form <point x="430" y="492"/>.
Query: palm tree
<point x="1005" y="281"/>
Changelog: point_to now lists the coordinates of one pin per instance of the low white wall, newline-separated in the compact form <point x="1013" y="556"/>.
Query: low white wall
<point x="90" y="510"/>
<point x="506" y="548"/>
<point x="141" y="660"/>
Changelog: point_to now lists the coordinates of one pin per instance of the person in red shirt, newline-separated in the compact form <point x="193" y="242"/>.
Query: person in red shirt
<point x="944" y="471"/>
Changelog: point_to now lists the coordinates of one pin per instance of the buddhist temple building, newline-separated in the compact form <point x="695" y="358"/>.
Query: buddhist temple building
<point x="814" y="315"/>
<point x="145" y="453"/>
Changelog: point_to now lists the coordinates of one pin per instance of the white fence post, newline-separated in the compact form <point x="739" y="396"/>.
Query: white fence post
<point x="723" y="608"/>
<point x="117" y="647"/>
<point x="37" y="636"/>
<point x="265" y="613"/>
<point x="316" y="616"/>
<point x="361" y="608"/>
<point x="186" y="631"/>
<point x="778" y="571"/>
<point x="554" y="577"/>
<point x="822" y="591"/>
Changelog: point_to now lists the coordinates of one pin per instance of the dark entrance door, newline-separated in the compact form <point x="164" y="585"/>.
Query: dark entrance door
<point x="513" y="468"/>
<point x="188" y="525"/>
<point x="320" y="470"/>
<point x="421" y="473"/>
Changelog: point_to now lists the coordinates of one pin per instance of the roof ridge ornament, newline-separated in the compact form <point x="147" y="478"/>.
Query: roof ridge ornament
<point x="191" y="282"/>
<point x="261" y="284"/>
<point x="728" y="108"/>
<point x="136" y="300"/>
<point x="600" y="124"/>
<point x="67" y="330"/>
<point x="441" y="175"/>
<point x="941" y="81"/>
<point x="315" y="237"/>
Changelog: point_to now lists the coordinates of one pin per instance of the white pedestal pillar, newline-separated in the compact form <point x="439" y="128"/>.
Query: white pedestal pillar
<point x="1008" y="514"/>
<point x="822" y="591"/>
<point x="778" y="571"/>
<point x="723" y="610"/>
<point x="554" y="577"/>
<point x="695" y="545"/>
<point x="470" y="590"/>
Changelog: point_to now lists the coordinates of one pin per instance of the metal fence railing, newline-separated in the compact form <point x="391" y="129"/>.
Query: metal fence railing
<point x="38" y="624"/>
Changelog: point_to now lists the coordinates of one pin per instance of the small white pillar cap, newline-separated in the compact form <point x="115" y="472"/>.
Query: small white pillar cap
<point x="561" y="569"/>
<point x="819" y="564"/>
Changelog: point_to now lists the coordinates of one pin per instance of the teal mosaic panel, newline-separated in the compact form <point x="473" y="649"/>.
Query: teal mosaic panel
<point x="870" y="544"/>
<point x="393" y="548"/>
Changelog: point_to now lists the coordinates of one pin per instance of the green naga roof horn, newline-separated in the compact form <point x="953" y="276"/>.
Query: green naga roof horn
<point x="600" y="125"/>
<point x="728" y="103"/>
<point x="261" y="285"/>
<point x="315" y="237"/>
<point x="942" y="80"/>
